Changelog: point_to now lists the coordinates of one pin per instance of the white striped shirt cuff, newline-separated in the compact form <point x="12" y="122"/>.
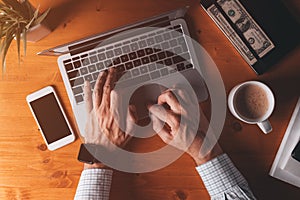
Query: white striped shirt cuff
<point x="94" y="184"/>
<point x="221" y="178"/>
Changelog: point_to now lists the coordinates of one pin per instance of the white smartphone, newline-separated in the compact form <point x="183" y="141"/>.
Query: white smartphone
<point x="50" y="117"/>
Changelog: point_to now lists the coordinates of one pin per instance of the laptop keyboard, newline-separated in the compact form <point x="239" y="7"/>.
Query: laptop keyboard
<point x="138" y="59"/>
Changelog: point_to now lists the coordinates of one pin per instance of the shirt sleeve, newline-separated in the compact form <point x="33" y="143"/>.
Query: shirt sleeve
<point x="223" y="181"/>
<point x="94" y="184"/>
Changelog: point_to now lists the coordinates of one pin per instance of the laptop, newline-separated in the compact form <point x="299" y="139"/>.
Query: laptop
<point x="149" y="57"/>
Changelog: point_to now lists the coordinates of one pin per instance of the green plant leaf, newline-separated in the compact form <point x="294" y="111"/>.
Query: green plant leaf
<point x="24" y="38"/>
<point x="21" y="8"/>
<point x="6" y="43"/>
<point x="1" y="45"/>
<point x="6" y="46"/>
<point x="15" y="19"/>
<point x="41" y="17"/>
<point x="30" y="9"/>
<point x="1" y="41"/>
<point x="35" y="15"/>
<point x="18" y="39"/>
<point x="1" y="30"/>
<point x="8" y="32"/>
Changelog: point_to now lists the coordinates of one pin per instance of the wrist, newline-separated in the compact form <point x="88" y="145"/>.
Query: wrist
<point x="95" y="166"/>
<point x="201" y="159"/>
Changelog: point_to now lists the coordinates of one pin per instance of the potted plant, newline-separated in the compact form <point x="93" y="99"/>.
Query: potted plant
<point x="17" y="20"/>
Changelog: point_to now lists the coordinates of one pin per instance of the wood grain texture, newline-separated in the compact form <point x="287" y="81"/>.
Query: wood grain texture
<point x="29" y="171"/>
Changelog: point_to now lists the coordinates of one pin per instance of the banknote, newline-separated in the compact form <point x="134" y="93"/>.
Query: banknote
<point x="220" y="20"/>
<point x="252" y="32"/>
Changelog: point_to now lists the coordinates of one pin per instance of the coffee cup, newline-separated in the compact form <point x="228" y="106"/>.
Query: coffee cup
<point x="252" y="102"/>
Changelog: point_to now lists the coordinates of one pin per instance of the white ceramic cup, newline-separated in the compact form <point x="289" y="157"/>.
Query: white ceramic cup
<point x="262" y="121"/>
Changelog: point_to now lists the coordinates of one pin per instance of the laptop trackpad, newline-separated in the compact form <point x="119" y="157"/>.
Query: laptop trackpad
<point x="143" y="96"/>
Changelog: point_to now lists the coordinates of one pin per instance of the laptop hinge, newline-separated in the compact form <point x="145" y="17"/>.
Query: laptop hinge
<point x="91" y="42"/>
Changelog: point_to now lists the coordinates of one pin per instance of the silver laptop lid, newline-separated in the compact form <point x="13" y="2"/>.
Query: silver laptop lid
<point x="90" y="42"/>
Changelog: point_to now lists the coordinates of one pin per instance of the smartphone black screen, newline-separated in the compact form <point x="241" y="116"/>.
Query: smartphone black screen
<point x="50" y="118"/>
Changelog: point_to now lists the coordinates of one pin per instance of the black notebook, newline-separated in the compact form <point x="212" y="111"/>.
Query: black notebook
<point x="262" y="31"/>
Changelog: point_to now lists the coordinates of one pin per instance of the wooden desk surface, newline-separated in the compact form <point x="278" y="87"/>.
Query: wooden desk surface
<point x="29" y="171"/>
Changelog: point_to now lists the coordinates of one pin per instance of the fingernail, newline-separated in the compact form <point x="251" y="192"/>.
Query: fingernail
<point x="102" y="72"/>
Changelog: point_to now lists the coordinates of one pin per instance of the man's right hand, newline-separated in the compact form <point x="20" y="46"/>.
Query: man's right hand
<point x="178" y="126"/>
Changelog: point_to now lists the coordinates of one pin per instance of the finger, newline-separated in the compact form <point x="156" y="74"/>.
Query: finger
<point x="115" y="108"/>
<point x="160" y="129"/>
<point x="164" y="115"/>
<point x="108" y="85"/>
<point x="127" y="138"/>
<point x="88" y="96"/>
<point x="131" y="119"/>
<point x="169" y="98"/>
<point x="133" y="113"/>
<point x="186" y="96"/>
<point x="183" y="96"/>
<point x="98" y="88"/>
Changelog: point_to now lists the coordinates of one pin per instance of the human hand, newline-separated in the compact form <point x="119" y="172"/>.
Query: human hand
<point x="179" y="124"/>
<point x="103" y="118"/>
